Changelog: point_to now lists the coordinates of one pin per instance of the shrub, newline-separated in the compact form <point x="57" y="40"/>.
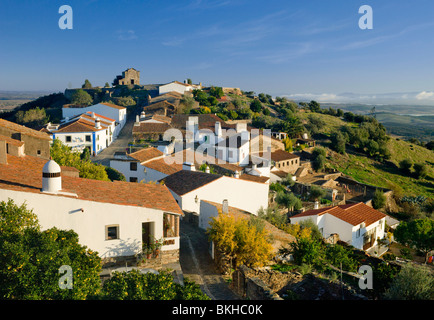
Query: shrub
<point x="379" y="199"/>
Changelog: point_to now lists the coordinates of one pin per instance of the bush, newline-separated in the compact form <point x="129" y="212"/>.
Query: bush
<point x="137" y="286"/>
<point x="114" y="174"/>
<point x="379" y="199"/>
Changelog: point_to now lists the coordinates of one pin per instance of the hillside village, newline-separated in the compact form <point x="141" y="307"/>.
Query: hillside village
<point x="183" y="155"/>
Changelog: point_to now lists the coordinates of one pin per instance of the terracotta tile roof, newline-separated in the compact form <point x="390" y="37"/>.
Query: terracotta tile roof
<point x="12" y="141"/>
<point x="185" y="181"/>
<point x="205" y="121"/>
<point x="162" y="166"/>
<point x="353" y="214"/>
<point x="146" y="154"/>
<point x="159" y="105"/>
<point x="250" y="177"/>
<point x="112" y="105"/>
<point x="24" y="130"/>
<point x="280" y="155"/>
<point x="160" y="117"/>
<point x="173" y="163"/>
<point x="78" y="125"/>
<point x="25" y="174"/>
<point x="280" y="173"/>
<point x="151" y="127"/>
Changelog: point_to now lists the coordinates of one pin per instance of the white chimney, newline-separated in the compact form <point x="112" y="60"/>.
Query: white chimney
<point x="51" y="179"/>
<point x="143" y="115"/>
<point x="93" y="115"/>
<point x="305" y="136"/>
<point x="218" y="129"/>
<point x="316" y="205"/>
<point x="97" y="123"/>
<point x="207" y="170"/>
<point x="236" y="174"/>
<point x="240" y="127"/>
<point x="188" y="166"/>
<point x="225" y="206"/>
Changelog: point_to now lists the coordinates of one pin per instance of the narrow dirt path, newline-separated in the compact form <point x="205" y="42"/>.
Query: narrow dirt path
<point x="197" y="264"/>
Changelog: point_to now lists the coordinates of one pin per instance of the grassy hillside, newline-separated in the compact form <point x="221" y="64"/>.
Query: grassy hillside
<point x="386" y="175"/>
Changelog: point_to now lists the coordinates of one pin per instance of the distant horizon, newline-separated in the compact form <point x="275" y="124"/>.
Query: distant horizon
<point x="378" y="99"/>
<point x="300" y="49"/>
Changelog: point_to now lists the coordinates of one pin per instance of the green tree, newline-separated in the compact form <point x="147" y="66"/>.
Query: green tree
<point x="114" y="175"/>
<point x="372" y="147"/>
<point x="288" y="200"/>
<point x="32" y="117"/>
<point x="216" y="92"/>
<point x="87" y="84"/>
<point x="81" y="97"/>
<point x="412" y="283"/>
<point x="256" y="105"/>
<point x="319" y="163"/>
<point x="338" y="142"/>
<point x="293" y="127"/>
<point x="314" y="106"/>
<point x="30" y="259"/>
<point x="64" y="156"/>
<point x="315" y="124"/>
<point x="107" y="85"/>
<point x="405" y="166"/>
<point x="418" y="233"/>
<point x="306" y="250"/>
<point x="186" y="104"/>
<point x="317" y="193"/>
<point x="379" y="199"/>
<point x="420" y="170"/>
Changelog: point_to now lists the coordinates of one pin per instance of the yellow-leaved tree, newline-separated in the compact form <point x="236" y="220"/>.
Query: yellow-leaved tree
<point x="240" y="241"/>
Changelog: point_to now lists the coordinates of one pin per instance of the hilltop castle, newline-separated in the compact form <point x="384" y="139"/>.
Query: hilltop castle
<point x="129" y="76"/>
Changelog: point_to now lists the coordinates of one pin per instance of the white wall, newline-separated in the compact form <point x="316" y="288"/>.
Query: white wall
<point x="174" y="87"/>
<point x="140" y="174"/>
<point x="120" y="115"/>
<point x="379" y="233"/>
<point x="207" y="212"/>
<point x="246" y="195"/>
<point x="90" y="225"/>
<point x="78" y="140"/>
<point x="347" y="232"/>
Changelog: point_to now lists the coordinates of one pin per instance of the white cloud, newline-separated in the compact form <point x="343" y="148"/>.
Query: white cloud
<point x="126" y="35"/>
<point x="425" y="95"/>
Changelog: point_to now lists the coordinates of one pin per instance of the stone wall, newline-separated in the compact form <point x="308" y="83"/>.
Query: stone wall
<point x="267" y="284"/>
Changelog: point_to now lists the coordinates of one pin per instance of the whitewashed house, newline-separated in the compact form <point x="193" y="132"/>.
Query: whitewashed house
<point x="109" y="110"/>
<point x="243" y="191"/>
<point x="141" y="166"/>
<point x="81" y="133"/>
<point x="357" y="224"/>
<point x="176" y="86"/>
<point x="116" y="219"/>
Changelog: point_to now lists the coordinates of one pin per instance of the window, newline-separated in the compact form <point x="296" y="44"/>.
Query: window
<point x="133" y="166"/>
<point x="68" y="139"/>
<point x="88" y="138"/>
<point x="133" y="179"/>
<point x="112" y="232"/>
<point x="39" y="152"/>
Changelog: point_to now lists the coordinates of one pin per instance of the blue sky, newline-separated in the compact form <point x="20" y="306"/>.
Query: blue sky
<point x="286" y="47"/>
